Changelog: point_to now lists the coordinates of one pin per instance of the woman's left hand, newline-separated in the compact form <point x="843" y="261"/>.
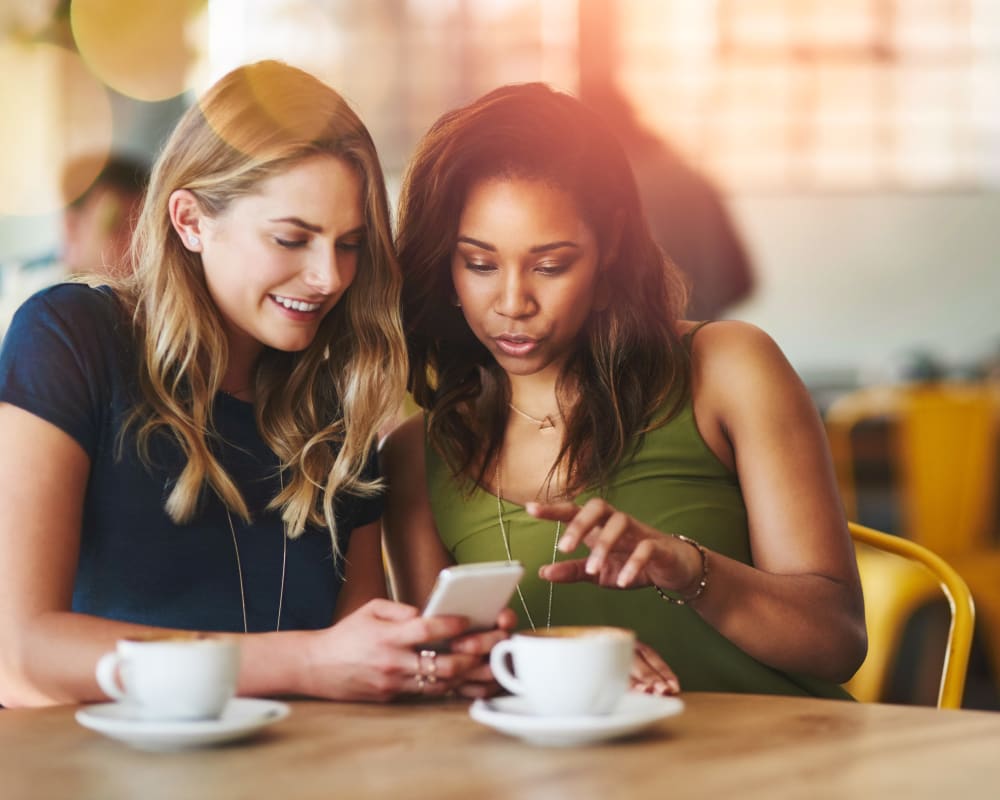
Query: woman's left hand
<point x="651" y="674"/>
<point x="624" y="553"/>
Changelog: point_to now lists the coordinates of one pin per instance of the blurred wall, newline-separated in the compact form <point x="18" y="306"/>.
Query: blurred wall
<point x="851" y="281"/>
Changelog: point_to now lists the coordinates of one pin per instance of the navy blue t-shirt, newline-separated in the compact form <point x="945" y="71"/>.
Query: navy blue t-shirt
<point x="68" y="358"/>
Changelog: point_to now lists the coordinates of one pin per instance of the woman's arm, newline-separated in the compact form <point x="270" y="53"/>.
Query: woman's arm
<point x="416" y="553"/>
<point x="802" y="608"/>
<point x="799" y="606"/>
<point x="48" y="653"/>
<point x="413" y="547"/>
<point x="364" y="574"/>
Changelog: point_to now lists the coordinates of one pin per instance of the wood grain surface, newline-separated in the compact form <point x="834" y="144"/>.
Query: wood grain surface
<point x="722" y="746"/>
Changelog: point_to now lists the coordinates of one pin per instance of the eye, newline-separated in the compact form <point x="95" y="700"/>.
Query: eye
<point x="479" y="266"/>
<point x="551" y="269"/>
<point x="290" y="244"/>
<point x="351" y="245"/>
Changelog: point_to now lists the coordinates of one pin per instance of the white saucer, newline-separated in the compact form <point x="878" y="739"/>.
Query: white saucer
<point x="242" y="717"/>
<point x="513" y="716"/>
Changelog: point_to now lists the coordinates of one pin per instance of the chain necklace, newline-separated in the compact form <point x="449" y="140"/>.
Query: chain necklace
<point x="544" y="424"/>
<point x="505" y="537"/>
<point x="239" y="566"/>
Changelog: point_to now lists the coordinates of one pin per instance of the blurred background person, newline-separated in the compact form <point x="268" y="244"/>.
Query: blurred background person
<point x="95" y="229"/>
<point x="97" y="226"/>
<point x="685" y="210"/>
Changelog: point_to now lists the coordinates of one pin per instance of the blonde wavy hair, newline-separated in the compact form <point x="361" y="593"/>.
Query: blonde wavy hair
<point x="319" y="409"/>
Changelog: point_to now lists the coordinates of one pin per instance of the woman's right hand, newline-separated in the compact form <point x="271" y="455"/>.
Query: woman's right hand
<point x="374" y="654"/>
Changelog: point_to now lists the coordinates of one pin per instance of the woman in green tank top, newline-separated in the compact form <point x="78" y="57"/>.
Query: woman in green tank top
<point x="672" y="483"/>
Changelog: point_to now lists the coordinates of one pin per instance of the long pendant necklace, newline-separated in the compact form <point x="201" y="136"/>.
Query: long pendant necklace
<point x="505" y="537"/>
<point x="239" y="566"/>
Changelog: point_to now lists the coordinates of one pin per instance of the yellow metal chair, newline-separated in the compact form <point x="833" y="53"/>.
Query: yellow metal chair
<point x="898" y="576"/>
<point x="943" y="440"/>
<point x="944" y="449"/>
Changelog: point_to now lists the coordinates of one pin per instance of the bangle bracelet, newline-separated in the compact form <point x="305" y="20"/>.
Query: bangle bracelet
<point x="702" y="581"/>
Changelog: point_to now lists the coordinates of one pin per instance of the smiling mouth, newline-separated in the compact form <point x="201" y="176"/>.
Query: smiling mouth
<point x="295" y="305"/>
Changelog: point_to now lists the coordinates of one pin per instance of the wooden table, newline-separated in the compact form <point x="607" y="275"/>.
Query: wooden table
<point x="722" y="746"/>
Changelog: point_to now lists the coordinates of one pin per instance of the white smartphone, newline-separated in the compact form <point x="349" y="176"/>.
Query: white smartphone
<point x="477" y="591"/>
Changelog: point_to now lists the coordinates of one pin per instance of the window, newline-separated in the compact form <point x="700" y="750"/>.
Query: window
<point x="852" y="94"/>
<point x="401" y="63"/>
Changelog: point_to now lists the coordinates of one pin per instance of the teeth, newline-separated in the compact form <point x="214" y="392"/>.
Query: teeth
<point x="295" y="305"/>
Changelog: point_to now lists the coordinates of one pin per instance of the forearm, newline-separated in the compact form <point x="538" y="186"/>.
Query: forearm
<point x="275" y="664"/>
<point x="808" y="624"/>
<point x="51" y="657"/>
<point x="54" y="661"/>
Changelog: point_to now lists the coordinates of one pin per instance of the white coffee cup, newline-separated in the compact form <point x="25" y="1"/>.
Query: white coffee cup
<point x="171" y="676"/>
<point x="568" y="670"/>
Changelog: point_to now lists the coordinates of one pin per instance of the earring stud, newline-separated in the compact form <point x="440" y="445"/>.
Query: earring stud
<point x="193" y="240"/>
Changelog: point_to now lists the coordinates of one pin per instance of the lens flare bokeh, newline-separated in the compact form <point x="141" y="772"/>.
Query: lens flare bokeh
<point x="61" y="113"/>
<point x="139" y="49"/>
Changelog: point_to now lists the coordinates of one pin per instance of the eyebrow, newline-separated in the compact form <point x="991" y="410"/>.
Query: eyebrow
<point x="540" y="248"/>
<point x="301" y="223"/>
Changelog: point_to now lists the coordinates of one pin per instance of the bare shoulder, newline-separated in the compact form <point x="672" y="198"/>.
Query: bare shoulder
<point x="738" y="367"/>
<point x="402" y="456"/>
<point x="405" y="442"/>
<point x="730" y="338"/>
<point x="737" y="350"/>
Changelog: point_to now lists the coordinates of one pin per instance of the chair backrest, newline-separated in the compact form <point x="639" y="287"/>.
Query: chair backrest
<point x="944" y="447"/>
<point x="948" y="447"/>
<point x="901" y="597"/>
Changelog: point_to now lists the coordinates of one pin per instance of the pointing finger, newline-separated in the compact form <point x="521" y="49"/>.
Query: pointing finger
<point x="570" y="571"/>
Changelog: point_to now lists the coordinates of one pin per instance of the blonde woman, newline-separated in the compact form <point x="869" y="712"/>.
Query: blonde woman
<point x="193" y="447"/>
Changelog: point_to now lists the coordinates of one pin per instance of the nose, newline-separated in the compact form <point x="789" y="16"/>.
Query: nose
<point x="329" y="275"/>
<point x="516" y="298"/>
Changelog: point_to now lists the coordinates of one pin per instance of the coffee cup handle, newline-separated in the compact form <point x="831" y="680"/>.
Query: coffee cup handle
<point x="498" y="665"/>
<point x="107" y="676"/>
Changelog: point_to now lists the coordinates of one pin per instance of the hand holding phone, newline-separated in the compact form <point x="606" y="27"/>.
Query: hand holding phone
<point x="476" y="591"/>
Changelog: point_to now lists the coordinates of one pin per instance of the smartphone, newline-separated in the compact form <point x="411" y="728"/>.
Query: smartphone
<point x="477" y="591"/>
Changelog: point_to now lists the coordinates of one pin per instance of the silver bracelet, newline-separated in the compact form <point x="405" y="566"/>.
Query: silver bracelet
<point x="702" y="582"/>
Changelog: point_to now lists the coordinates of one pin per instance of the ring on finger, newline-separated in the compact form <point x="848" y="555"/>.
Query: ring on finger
<point x="427" y="666"/>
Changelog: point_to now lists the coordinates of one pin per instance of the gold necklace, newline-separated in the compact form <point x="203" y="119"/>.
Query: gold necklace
<point x="505" y="537"/>
<point x="544" y="424"/>
<point x="239" y="565"/>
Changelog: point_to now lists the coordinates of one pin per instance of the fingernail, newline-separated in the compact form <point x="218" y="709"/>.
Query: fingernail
<point x="531" y="507"/>
<point x="674" y="685"/>
<point x="591" y="566"/>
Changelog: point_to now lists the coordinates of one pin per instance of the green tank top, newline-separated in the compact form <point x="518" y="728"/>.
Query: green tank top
<point x="675" y="484"/>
